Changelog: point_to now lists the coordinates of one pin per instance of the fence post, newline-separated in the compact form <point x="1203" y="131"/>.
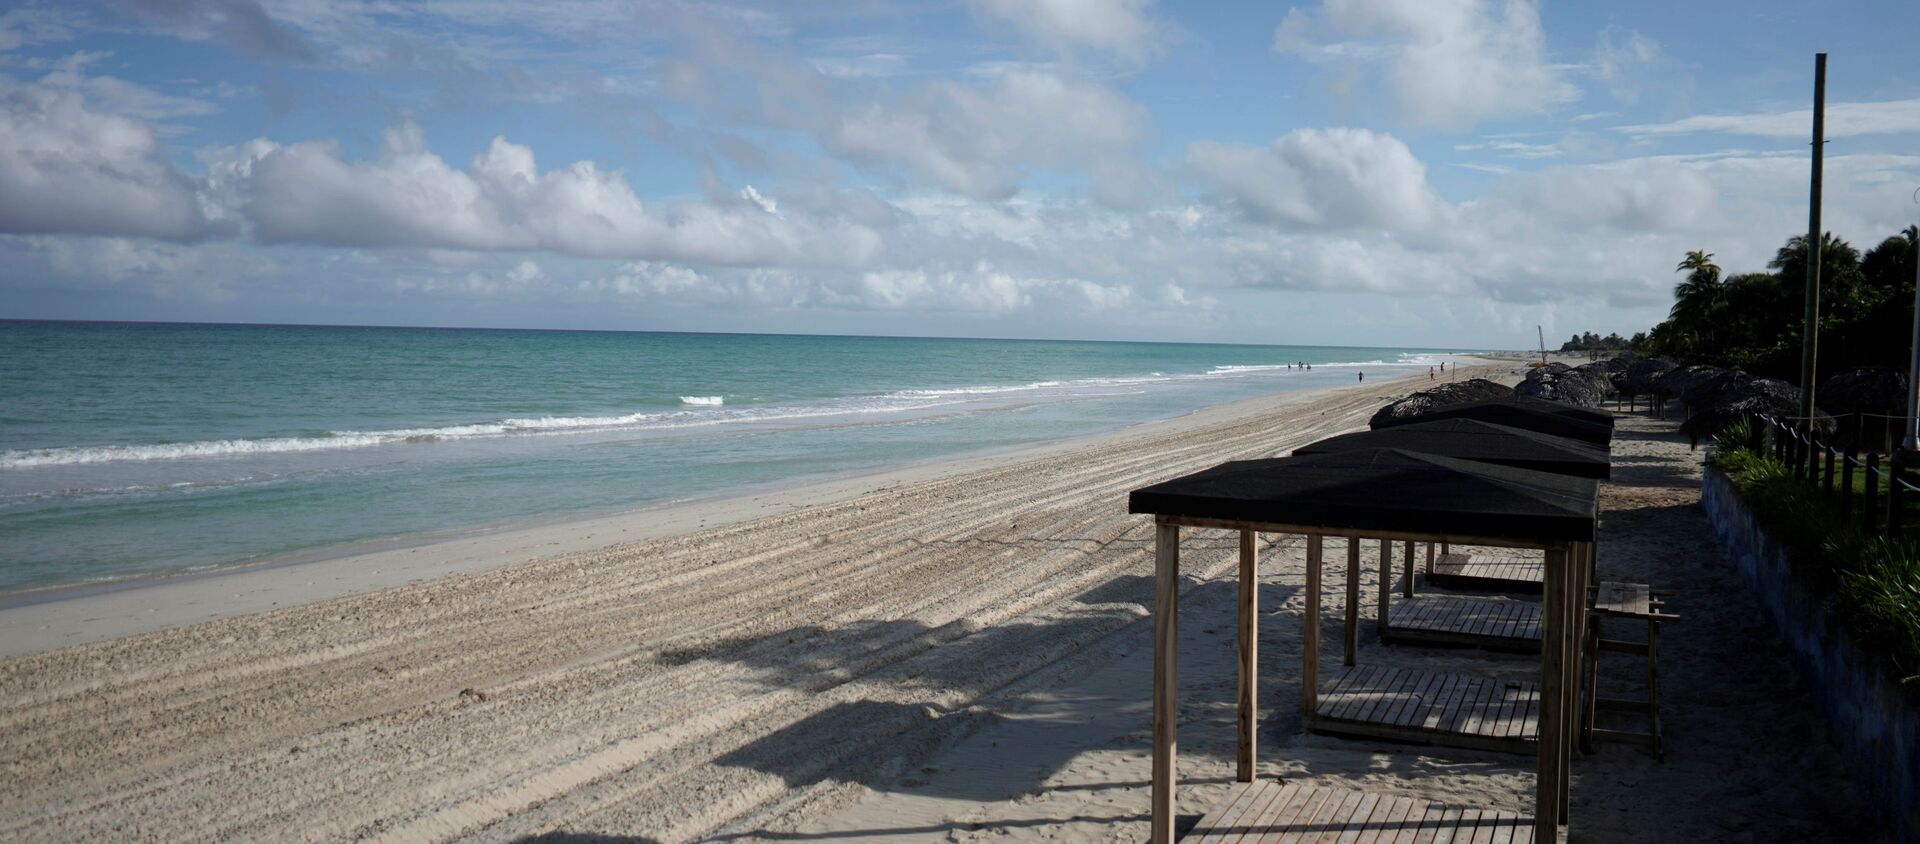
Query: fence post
<point x="1846" y="482"/>
<point x="1896" y="491"/>
<point x="1826" y="478"/>
<point x="1869" y="515"/>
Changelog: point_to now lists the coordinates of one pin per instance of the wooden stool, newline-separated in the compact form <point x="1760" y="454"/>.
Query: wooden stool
<point x="1624" y="601"/>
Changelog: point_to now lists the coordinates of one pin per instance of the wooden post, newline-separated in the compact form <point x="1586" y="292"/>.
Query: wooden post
<point x="1429" y="559"/>
<point x="1546" y="795"/>
<point x="1249" y="652"/>
<point x="1353" y="598"/>
<point x="1406" y="586"/>
<point x="1826" y="478"/>
<point x="1166" y="653"/>
<point x="1896" y="492"/>
<point x="1846" y="481"/>
<point x="1386" y="582"/>
<point x="1871" y="497"/>
<point x="1310" y="638"/>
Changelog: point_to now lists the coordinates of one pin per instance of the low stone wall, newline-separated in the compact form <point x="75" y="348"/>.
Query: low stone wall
<point x="1877" y="728"/>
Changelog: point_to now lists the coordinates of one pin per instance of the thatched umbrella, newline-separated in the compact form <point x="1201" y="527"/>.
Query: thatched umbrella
<point x="1866" y="393"/>
<point x="1737" y="398"/>
<point x="1642" y="376"/>
<point x="1568" y="385"/>
<point x="1677" y="382"/>
<point x="1444" y="395"/>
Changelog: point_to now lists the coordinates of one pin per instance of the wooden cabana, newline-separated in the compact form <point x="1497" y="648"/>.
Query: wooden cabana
<point x="1467" y="438"/>
<point x="1387" y="495"/>
<point x="1588" y="426"/>
<point x="1454" y="620"/>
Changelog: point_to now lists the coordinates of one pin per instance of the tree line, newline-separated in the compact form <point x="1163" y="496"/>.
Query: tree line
<point x="1753" y="320"/>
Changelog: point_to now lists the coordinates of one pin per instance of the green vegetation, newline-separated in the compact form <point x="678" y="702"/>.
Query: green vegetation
<point x="1875" y="579"/>
<point x="1591" y="342"/>
<point x="1752" y="320"/>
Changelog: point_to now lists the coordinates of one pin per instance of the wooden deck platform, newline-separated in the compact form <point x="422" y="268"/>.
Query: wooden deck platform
<point x="1432" y="707"/>
<point x="1485" y="572"/>
<point x="1275" y="812"/>
<point x="1491" y="623"/>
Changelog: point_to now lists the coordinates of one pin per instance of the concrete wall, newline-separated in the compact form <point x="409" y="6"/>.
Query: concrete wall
<point x="1877" y="728"/>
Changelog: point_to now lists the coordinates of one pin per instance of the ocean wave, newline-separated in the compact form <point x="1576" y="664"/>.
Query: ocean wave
<point x="700" y="411"/>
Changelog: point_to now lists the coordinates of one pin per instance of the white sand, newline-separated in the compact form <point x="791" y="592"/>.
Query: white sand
<point x="949" y="652"/>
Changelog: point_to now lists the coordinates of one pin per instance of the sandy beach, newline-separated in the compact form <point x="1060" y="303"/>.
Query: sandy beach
<point x="948" y="652"/>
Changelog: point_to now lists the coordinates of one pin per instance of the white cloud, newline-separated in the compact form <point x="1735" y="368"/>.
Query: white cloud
<point x="1118" y="27"/>
<point x="408" y="196"/>
<point x="1844" y="120"/>
<point x="118" y="96"/>
<point x="1617" y="64"/>
<point x="35" y="24"/>
<point x="981" y="140"/>
<point x="67" y="168"/>
<point x="1324" y="178"/>
<point x="1449" y="63"/>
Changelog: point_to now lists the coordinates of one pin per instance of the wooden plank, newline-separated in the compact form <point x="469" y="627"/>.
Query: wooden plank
<point x="1388" y="829"/>
<point x="1269" y="802"/>
<point x="1249" y="651"/>
<point x="1356" y="821"/>
<point x="1210" y="829"/>
<point x="1320" y="803"/>
<point x="1166" y="685"/>
<point x="1302" y="805"/>
<point x="1353" y="597"/>
<point x="1310" y="635"/>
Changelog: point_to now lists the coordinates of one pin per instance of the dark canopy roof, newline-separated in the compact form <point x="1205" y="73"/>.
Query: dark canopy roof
<point x="1481" y="442"/>
<point x="1379" y="489"/>
<point x="1545" y="417"/>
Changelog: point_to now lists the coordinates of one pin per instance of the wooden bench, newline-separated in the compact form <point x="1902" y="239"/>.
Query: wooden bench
<point x="1486" y="572"/>
<point x="1493" y="623"/>
<point x="1629" y="601"/>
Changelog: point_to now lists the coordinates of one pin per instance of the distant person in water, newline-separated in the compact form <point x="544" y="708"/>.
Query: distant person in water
<point x="1363" y="375"/>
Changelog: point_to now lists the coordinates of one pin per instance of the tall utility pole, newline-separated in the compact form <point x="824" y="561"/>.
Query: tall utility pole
<point x="1810" y="329"/>
<point x="1913" y="369"/>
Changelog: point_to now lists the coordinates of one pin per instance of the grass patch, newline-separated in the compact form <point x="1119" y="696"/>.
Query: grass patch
<point x="1875" y="579"/>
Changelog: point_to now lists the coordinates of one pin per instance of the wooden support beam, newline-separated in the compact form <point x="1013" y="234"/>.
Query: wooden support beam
<point x="1406" y="586"/>
<point x="1249" y="653"/>
<point x="1166" y="653"/>
<point x="1310" y="637"/>
<point x="1429" y="559"/>
<point x="1353" y="597"/>
<point x="1386" y="583"/>
<point x="1546" y="795"/>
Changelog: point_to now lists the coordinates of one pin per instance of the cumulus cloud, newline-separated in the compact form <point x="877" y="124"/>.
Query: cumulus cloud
<point x="408" y="196"/>
<point x="1324" y="178"/>
<point x="1121" y="28"/>
<point x="67" y="168"/>
<point x="1844" y="120"/>
<point x="1449" y="63"/>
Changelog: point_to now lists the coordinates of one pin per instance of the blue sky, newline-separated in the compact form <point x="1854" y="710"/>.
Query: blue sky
<point x="1367" y="172"/>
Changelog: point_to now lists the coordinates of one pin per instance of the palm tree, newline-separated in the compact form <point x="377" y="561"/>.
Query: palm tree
<point x="1697" y="299"/>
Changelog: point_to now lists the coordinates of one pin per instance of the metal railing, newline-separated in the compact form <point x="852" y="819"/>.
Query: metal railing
<point x="1831" y="471"/>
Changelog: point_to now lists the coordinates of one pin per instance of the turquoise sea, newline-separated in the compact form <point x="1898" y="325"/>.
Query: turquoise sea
<point x="140" y="449"/>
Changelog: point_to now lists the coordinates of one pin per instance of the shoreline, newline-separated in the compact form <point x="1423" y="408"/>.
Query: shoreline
<point x="36" y="620"/>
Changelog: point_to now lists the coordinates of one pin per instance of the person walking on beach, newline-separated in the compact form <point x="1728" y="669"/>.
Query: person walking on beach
<point x="1429" y="373"/>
